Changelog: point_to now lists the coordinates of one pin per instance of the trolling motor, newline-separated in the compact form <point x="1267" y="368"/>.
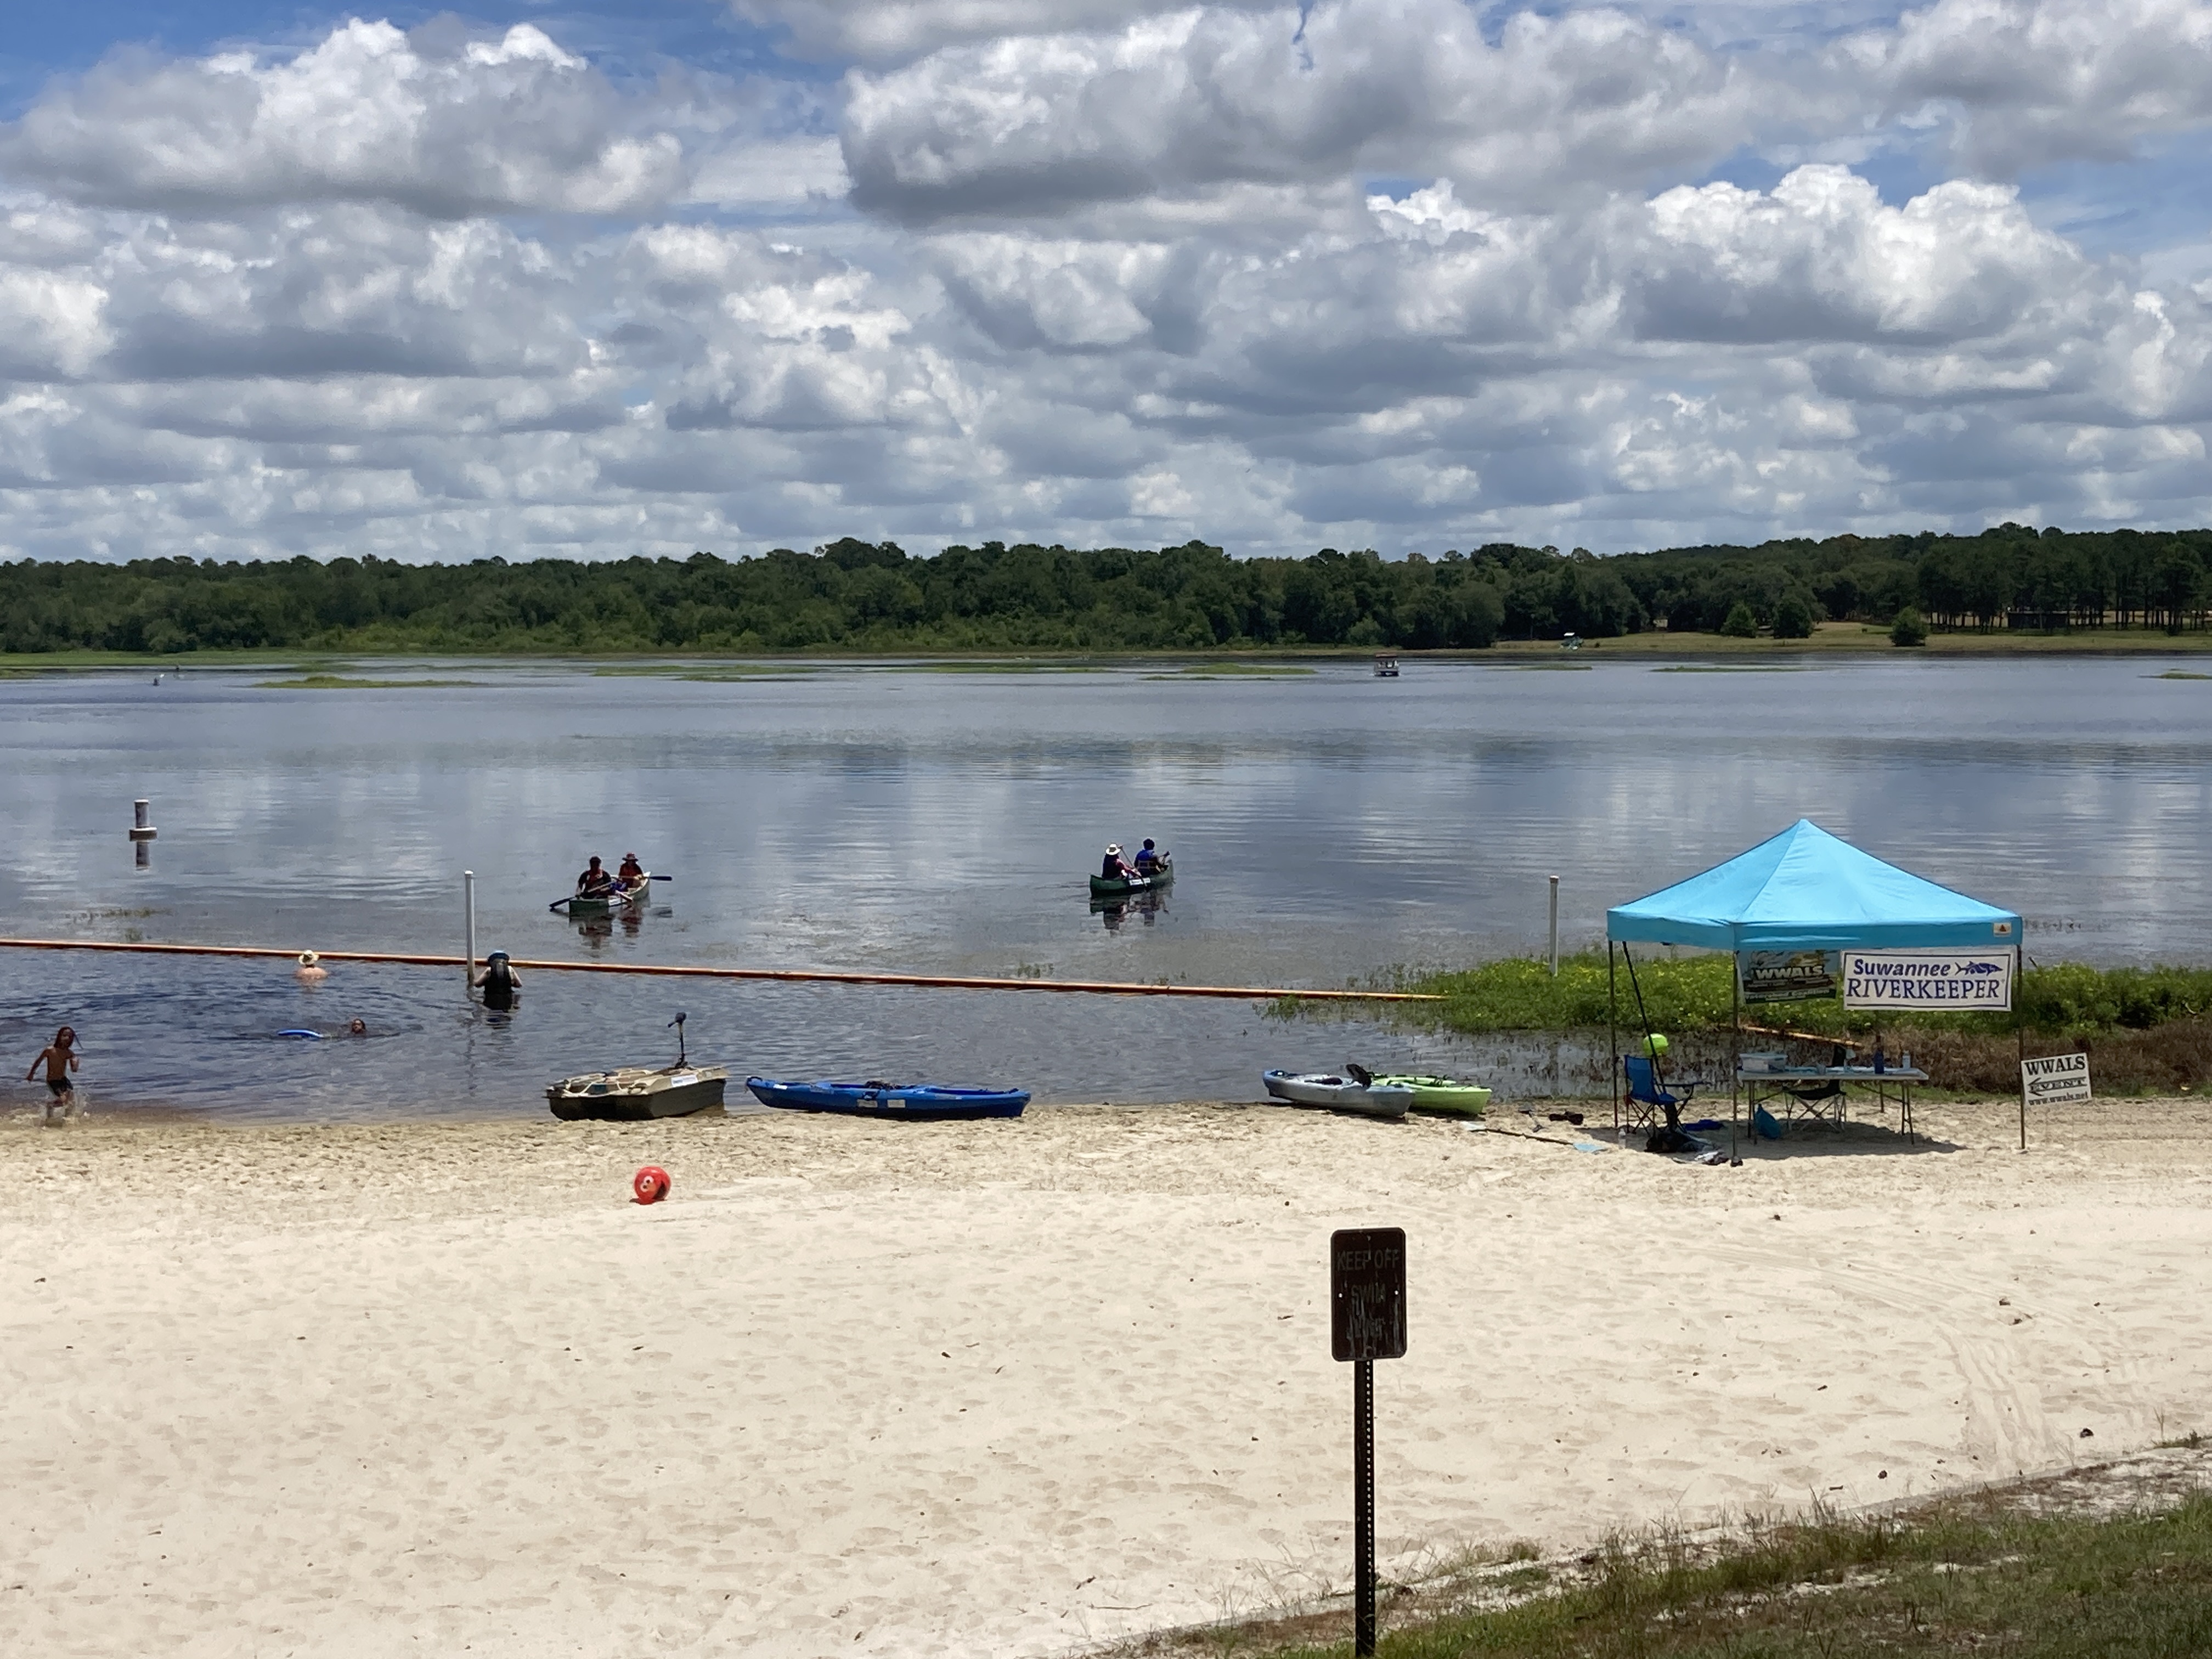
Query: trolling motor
<point x="677" y="1025"/>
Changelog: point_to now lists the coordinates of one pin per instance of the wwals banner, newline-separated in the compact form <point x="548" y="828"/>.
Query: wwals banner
<point x="1786" y="975"/>
<point x="1929" y="982"/>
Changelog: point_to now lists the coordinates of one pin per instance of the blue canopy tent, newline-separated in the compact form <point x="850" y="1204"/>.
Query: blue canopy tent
<point x="1806" y="889"/>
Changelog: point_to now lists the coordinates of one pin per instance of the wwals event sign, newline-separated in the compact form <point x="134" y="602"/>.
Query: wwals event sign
<point x="1786" y="975"/>
<point x="1929" y="982"/>
<point x="2055" y="1080"/>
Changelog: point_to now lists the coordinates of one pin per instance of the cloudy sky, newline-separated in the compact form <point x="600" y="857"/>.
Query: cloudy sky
<point x="592" y="279"/>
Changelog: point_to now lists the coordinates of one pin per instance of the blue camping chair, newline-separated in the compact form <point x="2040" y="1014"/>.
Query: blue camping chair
<point x="1645" y="1102"/>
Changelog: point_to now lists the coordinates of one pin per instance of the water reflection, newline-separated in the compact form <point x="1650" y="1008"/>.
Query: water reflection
<point x="1147" y="908"/>
<point x="1325" y="828"/>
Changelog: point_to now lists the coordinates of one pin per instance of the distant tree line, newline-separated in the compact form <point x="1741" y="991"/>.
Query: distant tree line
<point x="864" y="596"/>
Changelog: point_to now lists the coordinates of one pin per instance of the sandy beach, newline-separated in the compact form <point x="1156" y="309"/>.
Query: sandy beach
<point x="1006" y="1388"/>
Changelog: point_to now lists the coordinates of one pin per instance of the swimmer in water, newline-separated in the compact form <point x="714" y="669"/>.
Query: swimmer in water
<point x="357" y="1028"/>
<point x="60" y="1059"/>
<point x="311" y="970"/>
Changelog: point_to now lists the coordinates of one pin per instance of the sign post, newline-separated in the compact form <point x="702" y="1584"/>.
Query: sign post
<point x="1367" y="1323"/>
<point x="2051" y="1081"/>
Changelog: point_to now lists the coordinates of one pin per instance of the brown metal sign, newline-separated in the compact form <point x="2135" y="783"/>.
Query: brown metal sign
<point x="1367" y="1293"/>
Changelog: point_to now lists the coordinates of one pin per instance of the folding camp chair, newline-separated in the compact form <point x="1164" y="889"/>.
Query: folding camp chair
<point x="1644" y="1103"/>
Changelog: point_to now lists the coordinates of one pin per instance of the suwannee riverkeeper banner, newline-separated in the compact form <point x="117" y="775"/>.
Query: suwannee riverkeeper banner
<point x="1929" y="982"/>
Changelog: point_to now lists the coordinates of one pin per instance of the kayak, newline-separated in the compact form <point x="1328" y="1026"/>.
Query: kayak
<point x="1114" y="887"/>
<point x="633" y="1093"/>
<point x="1441" y="1096"/>
<point x="899" y="1100"/>
<point x="1339" y="1094"/>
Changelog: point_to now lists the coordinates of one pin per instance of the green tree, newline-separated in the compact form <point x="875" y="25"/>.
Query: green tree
<point x="1793" y="619"/>
<point x="1741" y="624"/>
<point x="1908" y="629"/>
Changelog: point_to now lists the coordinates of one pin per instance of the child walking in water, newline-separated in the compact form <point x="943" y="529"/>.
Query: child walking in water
<point x="60" y="1059"/>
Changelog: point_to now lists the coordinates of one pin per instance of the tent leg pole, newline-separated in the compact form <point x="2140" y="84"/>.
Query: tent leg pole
<point x="1612" y="1039"/>
<point x="2019" y="1030"/>
<point x="1735" y="1051"/>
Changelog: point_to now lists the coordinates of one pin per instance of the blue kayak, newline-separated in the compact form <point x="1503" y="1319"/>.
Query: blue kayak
<point x="915" y="1100"/>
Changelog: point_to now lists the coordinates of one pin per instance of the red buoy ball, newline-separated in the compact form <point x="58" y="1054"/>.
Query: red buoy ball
<point x="650" y="1184"/>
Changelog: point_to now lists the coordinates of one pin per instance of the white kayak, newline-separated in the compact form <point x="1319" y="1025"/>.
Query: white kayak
<point x="1338" y="1094"/>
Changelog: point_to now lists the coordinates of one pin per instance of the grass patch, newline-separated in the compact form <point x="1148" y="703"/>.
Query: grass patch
<point x="343" y="683"/>
<point x="1966" y="1577"/>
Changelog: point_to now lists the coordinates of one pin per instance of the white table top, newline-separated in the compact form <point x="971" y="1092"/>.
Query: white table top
<point x="1839" y="1073"/>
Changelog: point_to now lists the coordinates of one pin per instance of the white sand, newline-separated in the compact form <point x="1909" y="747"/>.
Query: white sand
<point x="1003" y="1388"/>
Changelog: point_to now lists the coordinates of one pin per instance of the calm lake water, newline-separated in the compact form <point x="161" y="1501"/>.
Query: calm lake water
<point x="1325" y="825"/>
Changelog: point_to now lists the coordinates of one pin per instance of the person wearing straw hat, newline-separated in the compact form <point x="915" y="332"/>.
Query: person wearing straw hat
<point x="1113" y="869"/>
<point x="311" y="970"/>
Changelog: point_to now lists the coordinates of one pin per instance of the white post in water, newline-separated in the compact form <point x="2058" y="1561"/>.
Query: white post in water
<point x="140" y="829"/>
<point x="468" y="893"/>
<point x="1555" y="927"/>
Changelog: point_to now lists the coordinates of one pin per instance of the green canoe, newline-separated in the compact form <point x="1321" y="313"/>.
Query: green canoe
<point x="1441" y="1095"/>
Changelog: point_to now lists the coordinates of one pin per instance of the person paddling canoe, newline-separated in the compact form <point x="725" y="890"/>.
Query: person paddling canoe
<point x="594" y="882"/>
<point x="632" y="874"/>
<point x="1114" y="868"/>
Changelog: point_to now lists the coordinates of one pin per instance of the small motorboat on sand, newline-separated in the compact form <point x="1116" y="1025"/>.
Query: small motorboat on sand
<point x="1339" y="1094"/>
<point x="633" y="1093"/>
<point x="899" y="1100"/>
<point x="1441" y="1095"/>
<point x="630" y="1094"/>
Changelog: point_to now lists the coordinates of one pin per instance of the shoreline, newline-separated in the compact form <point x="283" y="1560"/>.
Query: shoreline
<point x="1829" y="640"/>
<point x="1022" y="1388"/>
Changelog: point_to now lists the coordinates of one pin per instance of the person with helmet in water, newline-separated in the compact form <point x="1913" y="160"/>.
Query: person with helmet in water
<point x="498" y="981"/>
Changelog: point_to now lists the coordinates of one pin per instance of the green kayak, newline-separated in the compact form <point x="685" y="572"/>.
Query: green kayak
<point x="1441" y="1095"/>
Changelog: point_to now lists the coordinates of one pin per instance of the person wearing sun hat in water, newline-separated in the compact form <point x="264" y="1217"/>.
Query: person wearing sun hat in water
<point x="311" y="970"/>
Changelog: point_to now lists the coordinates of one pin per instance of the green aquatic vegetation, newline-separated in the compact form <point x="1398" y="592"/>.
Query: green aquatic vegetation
<point x="345" y="683"/>
<point x="1728" y="668"/>
<point x="1691" y="993"/>
<point x="2177" y="674"/>
<point x="1235" y="671"/>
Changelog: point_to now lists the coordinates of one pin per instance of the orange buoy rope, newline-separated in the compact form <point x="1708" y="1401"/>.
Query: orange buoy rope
<point x="790" y="976"/>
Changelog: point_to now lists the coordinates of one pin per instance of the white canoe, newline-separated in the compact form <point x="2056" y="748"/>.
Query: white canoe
<point x="1338" y="1094"/>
